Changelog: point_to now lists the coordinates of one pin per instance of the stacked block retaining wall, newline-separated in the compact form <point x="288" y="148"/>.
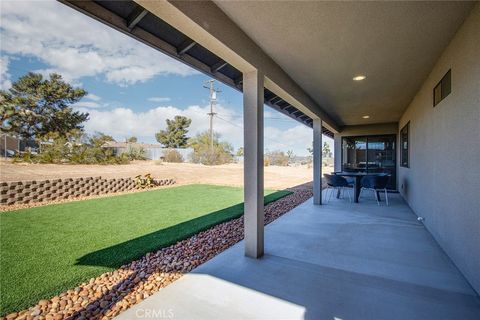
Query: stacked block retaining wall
<point x="21" y="192"/>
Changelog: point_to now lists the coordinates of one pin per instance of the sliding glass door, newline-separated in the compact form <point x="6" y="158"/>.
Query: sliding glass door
<point x="354" y="154"/>
<point x="367" y="154"/>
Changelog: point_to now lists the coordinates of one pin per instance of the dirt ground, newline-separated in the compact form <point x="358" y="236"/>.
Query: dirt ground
<point x="184" y="173"/>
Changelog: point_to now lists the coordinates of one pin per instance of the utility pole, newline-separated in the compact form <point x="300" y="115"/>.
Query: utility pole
<point x="210" y="85"/>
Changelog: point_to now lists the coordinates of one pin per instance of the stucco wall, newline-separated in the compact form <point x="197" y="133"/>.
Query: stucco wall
<point x="443" y="181"/>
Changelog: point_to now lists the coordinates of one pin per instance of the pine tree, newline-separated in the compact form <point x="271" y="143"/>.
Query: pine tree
<point x="34" y="107"/>
<point x="175" y="136"/>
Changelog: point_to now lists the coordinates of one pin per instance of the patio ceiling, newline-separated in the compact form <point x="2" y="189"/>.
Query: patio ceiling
<point x="323" y="45"/>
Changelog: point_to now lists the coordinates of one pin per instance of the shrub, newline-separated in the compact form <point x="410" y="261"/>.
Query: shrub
<point x="144" y="182"/>
<point x="76" y="149"/>
<point x="26" y="156"/>
<point x="172" y="155"/>
<point x="266" y="162"/>
<point x="277" y="158"/>
<point x="135" y="153"/>
<point x="53" y="150"/>
<point x="202" y="150"/>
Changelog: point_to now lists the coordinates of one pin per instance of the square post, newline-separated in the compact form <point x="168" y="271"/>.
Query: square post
<point x="317" y="161"/>
<point x="253" y="162"/>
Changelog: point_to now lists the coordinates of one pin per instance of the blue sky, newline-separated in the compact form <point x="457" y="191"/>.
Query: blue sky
<point x="132" y="88"/>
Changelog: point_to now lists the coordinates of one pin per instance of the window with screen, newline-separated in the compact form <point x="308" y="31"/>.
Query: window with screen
<point x="443" y="88"/>
<point x="404" y="145"/>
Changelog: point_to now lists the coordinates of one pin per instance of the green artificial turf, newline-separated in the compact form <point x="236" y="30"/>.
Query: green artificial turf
<point x="47" y="250"/>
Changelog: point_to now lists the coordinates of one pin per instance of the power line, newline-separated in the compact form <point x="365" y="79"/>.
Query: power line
<point x="241" y="127"/>
<point x="233" y="124"/>
<point x="265" y="118"/>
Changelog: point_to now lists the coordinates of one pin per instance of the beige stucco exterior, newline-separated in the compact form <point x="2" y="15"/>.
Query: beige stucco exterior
<point x="443" y="181"/>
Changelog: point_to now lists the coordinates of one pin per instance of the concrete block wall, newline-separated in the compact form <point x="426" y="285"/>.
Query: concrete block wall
<point x="21" y="192"/>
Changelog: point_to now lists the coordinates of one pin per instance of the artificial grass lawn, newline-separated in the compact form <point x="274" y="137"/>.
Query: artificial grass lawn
<point x="47" y="250"/>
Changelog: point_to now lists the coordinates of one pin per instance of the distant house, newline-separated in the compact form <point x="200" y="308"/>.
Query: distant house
<point x="11" y="145"/>
<point x="153" y="151"/>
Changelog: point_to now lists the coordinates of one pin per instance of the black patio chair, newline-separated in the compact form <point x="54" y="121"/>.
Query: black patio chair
<point x="336" y="183"/>
<point x="376" y="183"/>
<point x="350" y="180"/>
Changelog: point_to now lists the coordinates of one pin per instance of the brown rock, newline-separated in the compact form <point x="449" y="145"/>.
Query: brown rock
<point x="43" y="303"/>
<point x="35" y="312"/>
<point x="11" y="316"/>
<point x="83" y="293"/>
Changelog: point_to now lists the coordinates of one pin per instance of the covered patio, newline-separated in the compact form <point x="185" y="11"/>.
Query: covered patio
<point x="337" y="261"/>
<point x="396" y="86"/>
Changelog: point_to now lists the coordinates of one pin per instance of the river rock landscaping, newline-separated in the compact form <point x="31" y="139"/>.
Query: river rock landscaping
<point x="107" y="295"/>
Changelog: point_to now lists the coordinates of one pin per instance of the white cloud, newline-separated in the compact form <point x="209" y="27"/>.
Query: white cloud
<point x="125" y="122"/>
<point x="76" y="46"/>
<point x="159" y="99"/>
<point x="297" y="139"/>
<point x="5" y="82"/>
<point x="270" y="114"/>
<point x="86" y="104"/>
<point x="92" y="97"/>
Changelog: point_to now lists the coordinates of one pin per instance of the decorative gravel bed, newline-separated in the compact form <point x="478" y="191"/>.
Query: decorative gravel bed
<point x="107" y="295"/>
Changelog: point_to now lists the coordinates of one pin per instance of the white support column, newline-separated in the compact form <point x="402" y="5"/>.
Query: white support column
<point x="317" y="161"/>
<point x="253" y="162"/>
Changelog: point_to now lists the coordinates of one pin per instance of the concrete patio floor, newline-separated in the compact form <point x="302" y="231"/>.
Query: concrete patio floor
<point x="336" y="261"/>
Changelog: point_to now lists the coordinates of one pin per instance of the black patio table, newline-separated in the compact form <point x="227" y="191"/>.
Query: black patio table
<point x="357" y="185"/>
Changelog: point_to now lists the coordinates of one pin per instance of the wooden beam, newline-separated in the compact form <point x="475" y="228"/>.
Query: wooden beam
<point x="185" y="46"/>
<point x="275" y="100"/>
<point x="135" y="16"/>
<point x="217" y="66"/>
<point x="282" y="104"/>
<point x="290" y="110"/>
<point x="238" y="81"/>
<point x="269" y="94"/>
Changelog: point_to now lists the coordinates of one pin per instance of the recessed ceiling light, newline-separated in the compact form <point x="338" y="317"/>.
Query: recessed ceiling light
<point x="359" y="78"/>
<point x="366" y="117"/>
